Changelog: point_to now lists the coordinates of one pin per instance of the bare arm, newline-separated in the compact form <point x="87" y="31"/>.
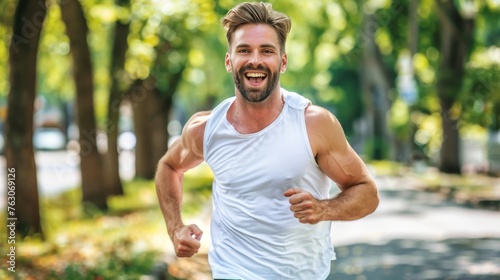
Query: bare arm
<point x="185" y="153"/>
<point x="337" y="159"/>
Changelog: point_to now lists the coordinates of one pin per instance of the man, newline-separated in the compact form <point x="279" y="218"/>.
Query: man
<point x="273" y="155"/>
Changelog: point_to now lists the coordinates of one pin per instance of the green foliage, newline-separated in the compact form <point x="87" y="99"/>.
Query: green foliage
<point x="54" y="80"/>
<point x="7" y="8"/>
<point x="399" y="119"/>
<point x="346" y="103"/>
<point x="480" y="94"/>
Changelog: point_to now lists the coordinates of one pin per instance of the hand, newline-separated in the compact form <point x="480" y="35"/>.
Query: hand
<point x="186" y="240"/>
<point x="304" y="206"/>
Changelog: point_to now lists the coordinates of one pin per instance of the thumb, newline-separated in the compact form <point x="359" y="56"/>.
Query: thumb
<point x="196" y="232"/>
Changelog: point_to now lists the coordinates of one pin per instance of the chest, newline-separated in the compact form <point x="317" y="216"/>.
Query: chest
<point x="277" y="157"/>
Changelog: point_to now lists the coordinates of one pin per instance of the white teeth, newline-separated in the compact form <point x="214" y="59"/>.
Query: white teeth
<point x="255" y="75"/>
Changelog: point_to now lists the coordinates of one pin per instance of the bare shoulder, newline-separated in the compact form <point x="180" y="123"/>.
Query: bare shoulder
<point x="319" y="116"/>
<point x="322" y="126"/>
<point x="193" y="132"/>
<point x="196" y="123"/>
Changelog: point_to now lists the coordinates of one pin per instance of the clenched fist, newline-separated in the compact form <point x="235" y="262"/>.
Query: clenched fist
<point x="186" y="240"/>
<point x="305" y="207"/>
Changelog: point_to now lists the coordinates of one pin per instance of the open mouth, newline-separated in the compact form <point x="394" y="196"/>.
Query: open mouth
<point x="255" y="78"/>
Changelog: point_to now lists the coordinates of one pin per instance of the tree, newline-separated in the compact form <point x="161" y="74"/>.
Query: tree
<point x="151" y="118"/>
<point x="118" y="84"/>
<point x="456" y="40"/>
<point x="377" y="81"/>
<point x="153" y="96"/>
<point x="28" y="22"/>
<point x="91" y="167"/>
<point x="145" y="166"/>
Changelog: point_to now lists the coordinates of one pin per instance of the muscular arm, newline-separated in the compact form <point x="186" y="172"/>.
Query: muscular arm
<point x="185" y="153"/>
<point x="337" y="159"/>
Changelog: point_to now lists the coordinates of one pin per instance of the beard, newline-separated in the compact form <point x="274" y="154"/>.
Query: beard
<point x="252" y="94"/>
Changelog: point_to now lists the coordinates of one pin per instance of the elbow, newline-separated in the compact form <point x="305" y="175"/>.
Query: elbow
<point x="370" y="199"/>
<point x="375" y="203"/>
<point x="374" y="199"/>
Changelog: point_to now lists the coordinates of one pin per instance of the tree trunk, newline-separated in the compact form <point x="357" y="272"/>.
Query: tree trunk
<point x="91" y="166"/>
<point x="495" y="122"/>
<point x="152" y="114"/>
<point x="151" y="117"/>
<point x="450" y="148"/>
<point x="376" y="83"/>
<point x="19" y="153"/>
<point x="117" y="72"/>
<point x="159" y="122"/>
<point x="493" y="142"/>
<point x="455" y="44"/>
<point x="144" y="165"/>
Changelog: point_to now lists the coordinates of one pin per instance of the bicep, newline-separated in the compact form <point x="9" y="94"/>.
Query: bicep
<point x="343" y="165"/>
<point x="186" y="151"/>
<point x="334" y="155"/>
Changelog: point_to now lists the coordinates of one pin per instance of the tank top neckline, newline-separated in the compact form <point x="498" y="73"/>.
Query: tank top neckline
<point x="262" y="131"/>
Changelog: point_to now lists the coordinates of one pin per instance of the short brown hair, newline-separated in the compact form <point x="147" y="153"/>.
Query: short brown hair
<point x="255" y="12"/>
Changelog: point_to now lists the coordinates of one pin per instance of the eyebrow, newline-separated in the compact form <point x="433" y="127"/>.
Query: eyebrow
<point x="260" y="46"/>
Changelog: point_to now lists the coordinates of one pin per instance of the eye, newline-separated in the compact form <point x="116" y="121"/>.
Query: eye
<point x="268" y="51"/>
<point x="243" y="51"/>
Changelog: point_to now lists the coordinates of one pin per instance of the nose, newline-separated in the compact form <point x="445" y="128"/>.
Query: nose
<point x="255" y="58"/>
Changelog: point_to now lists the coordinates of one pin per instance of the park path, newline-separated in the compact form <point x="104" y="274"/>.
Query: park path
<point x="418" y="235"/>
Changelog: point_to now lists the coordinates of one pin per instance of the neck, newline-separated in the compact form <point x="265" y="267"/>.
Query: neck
<point x="250" y="117"/>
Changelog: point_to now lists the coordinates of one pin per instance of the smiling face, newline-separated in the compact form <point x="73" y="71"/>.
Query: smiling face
<point x="256" y="61"/>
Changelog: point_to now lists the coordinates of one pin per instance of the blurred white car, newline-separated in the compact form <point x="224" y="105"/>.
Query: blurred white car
<point x="49" y="139"/>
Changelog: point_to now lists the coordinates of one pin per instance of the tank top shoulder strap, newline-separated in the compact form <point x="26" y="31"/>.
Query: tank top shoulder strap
<point x="216" y="116"/>
<point x="220" y="110"/>
<point x="295" y="100"/>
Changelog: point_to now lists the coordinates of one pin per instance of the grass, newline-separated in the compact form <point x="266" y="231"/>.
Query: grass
<point x="123" y="242"/>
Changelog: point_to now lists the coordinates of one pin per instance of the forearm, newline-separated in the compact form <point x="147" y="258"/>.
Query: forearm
<point x="352" y="203"/>
<point x="169" y="190"/>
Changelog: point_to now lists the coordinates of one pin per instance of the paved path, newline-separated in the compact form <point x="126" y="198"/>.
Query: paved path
<point x="418" y="235"/>
<point x="405" y="212"/>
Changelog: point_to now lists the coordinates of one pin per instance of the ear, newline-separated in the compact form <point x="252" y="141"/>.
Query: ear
<point x="227" y="61"/>
<point x="284" y="61"/>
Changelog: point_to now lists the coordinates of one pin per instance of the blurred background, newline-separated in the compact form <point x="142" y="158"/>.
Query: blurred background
<point x="93" y="91"/>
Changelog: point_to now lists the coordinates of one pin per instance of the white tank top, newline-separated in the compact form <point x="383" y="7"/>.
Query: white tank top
<point x="254" y="233"/>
